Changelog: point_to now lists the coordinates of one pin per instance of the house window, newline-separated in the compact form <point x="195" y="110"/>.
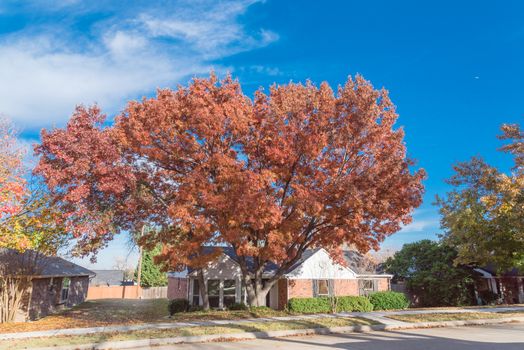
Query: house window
<point x="66" y="283"/>
<point x="322" y="288"/>
<point x="229" y="292"/>
<point x="213" y="291"/>
<point x="367" y="287"/>
<point x="196" y="293"/>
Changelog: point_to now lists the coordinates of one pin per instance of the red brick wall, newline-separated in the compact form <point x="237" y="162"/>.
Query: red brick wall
<point x="383" y="284"/>
<point x="177" y="288"/>
<point x="282" y="294"/>
<point x="300" y="289"/>
<point x="346" y="287"/>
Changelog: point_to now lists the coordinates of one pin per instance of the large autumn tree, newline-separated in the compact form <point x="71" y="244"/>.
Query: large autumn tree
<point x="297" y="168"/>
<point x="483" y="215"/>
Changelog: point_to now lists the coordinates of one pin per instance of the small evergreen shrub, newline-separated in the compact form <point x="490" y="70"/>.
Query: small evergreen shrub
<point x="488" y="297"/>
<point x="309" y="305"/>
<point x="260" y="308"/>
<point x="237" y="306"/>
<point x="195" y="308"/>
<point x="389" y="301"/>
<point x="178" y="305"/>
<point x="326" y="304"/>
<point x="353" y="304"/>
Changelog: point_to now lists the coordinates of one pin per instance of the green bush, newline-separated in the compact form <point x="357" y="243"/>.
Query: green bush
<point x="353" y="304"/>
<point x="488" y="297"/>
<point x="237" y="306"/>
<point x="260" y="308"/>
<point x="325" y="304"/>
<point x="177" y="305"/>
<point x="388" y="301"/>
<point x="309" y="305"/>
<point x="195" y="308"/>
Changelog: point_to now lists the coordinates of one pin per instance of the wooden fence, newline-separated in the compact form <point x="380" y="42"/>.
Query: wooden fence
<point x="125" y="292"/>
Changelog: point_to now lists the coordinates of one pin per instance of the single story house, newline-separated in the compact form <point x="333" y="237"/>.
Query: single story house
<point x="314" y="275"/>
<point x="54" y="282"/>
<point x="508" y="286"/>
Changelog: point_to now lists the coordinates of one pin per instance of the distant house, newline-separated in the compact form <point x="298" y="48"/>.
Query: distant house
<point x="55" y="282"/>
<point x="314" y="275"/>
<point x="508" y="287"/>
<point x="107" y="278"/>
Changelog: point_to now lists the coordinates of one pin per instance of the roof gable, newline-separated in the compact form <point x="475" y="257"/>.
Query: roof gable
<point x="317" y="264"/>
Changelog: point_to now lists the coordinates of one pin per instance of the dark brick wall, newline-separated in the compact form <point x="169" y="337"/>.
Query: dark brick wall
<point x="45" y="298"/>
<point x="77" y="291"/>
<point x="177" y="288"/>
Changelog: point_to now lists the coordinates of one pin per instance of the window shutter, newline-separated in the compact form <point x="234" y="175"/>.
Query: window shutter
<point x="331" y="286"/>
<point x="315" y="288"/>
<point x="375" y="285"/>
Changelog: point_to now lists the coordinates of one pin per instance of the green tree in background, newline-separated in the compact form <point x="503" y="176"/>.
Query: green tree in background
<point x="430" y="274"/>
<point x="483" y="215"/>
<point x="152" y="274"/>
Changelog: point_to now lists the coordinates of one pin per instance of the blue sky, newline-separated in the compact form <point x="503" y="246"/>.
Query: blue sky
<point x="454" y="69"/>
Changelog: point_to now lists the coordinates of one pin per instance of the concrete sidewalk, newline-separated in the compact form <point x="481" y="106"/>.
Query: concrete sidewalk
<point x="378" y="316"/>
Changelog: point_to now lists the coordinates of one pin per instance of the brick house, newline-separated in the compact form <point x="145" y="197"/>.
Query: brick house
<point x="507" y="286"/>
<point x="314" y="275"/>
<point x="55" y="283"/>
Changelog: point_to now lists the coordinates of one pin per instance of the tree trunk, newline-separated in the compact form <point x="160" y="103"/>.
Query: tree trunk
<point x="257" y="291"/>
<point x="12" y="290"/>
<point x="203" y="289"/>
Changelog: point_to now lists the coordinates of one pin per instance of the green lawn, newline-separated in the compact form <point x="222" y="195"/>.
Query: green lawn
<point x="439" y="317"/>
<point x="185" y="331"/>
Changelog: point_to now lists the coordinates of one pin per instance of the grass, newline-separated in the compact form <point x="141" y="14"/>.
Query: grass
<point x="114" y="312"/>
<point x="185" y="331"/>
<point x="439" y="317"/>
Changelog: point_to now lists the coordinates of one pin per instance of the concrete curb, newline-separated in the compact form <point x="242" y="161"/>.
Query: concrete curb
<point x="133" y="344"/>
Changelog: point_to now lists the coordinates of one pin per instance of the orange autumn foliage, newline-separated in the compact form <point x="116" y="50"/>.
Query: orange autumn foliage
<point x="296" y="168"/>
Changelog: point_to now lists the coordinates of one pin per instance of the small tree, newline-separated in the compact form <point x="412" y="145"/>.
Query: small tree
<point x="430" y="274"/>
<point x="152" y="274"/>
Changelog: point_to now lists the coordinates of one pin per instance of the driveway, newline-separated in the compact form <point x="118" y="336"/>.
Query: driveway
<point x="504" y="337"/>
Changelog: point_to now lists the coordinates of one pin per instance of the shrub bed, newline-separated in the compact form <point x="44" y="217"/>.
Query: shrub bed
<point x="354" y="304"/>
<point x="388" y="301"/>
<point x="326" y="305"/>
<point x="178" y="305"/>
<point x="237" y="306"/>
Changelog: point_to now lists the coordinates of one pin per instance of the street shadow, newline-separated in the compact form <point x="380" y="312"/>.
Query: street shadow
<point x="396" y="340"/>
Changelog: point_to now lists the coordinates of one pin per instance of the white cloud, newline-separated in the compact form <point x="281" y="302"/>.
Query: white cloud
<point x="420" y="225"/>
<point x="43" y="76"/>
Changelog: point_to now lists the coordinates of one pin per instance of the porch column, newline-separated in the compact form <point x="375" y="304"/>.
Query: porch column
<point x="238" y="290"/>
<point x="520" y="283"/>
<point x="221" y="294"/>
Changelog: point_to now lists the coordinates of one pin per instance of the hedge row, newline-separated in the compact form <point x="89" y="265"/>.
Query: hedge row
<point x="389" y="301"/>
<point x="325" y="304"/>
<point x="376" y="301"/>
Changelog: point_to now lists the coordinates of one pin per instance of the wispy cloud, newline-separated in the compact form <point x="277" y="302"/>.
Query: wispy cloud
<point x="46" y="69"/>
<point x="420" y="225"/>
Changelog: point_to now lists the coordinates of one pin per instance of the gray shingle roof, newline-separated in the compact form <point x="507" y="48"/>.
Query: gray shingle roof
<point x="107" y="278"/>
<point x="33" y="263"/>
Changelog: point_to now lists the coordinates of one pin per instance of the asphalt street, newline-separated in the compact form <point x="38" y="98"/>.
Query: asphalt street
<point x="492" y="337"/>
